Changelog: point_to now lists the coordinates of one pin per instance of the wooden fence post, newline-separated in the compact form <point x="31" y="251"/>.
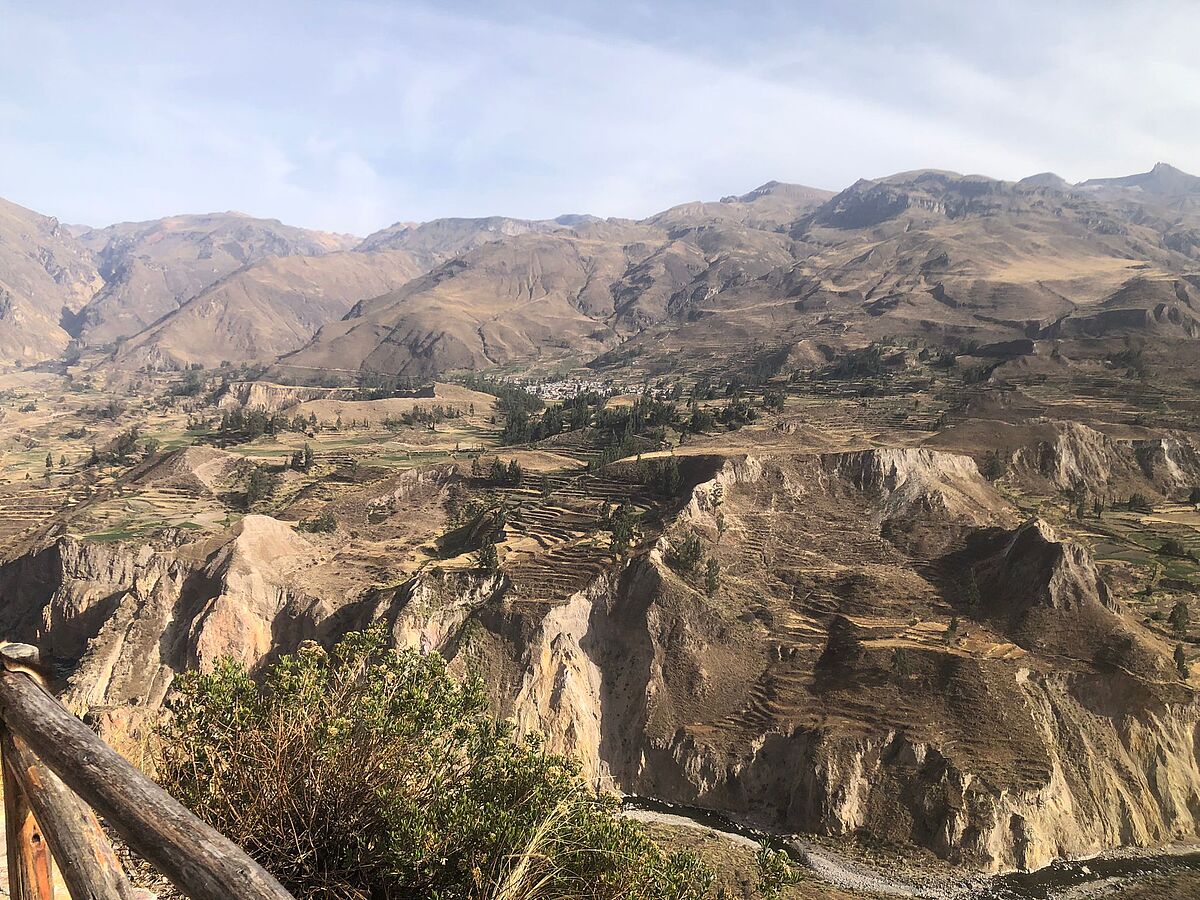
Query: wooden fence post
<point x="29" y="872"/>
<point x="193" y="855"/>
<point x="79" y="845"/>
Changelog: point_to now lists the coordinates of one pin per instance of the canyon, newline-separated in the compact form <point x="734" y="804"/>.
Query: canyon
<point x="870" y="515"/>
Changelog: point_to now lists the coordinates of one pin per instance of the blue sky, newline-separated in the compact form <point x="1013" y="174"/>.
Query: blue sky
<point x="351" y="115"/>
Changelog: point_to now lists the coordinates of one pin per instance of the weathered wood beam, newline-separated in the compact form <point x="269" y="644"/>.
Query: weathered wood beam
<point x="30" y="875"/>
<point x="195" y="857"/>
<point x="85" y="857"/>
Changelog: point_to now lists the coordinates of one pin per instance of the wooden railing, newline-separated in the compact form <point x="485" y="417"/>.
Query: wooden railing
<point x="58" y="775"/>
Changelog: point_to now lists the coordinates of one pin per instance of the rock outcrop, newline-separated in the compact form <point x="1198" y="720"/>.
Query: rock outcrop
<point x="123" y="620"/>
<point x="273" y="398"/>
<point x="888" y="649"/>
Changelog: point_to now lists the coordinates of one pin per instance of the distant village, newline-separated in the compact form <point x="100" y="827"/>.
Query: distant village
<point x="568" y="388"/>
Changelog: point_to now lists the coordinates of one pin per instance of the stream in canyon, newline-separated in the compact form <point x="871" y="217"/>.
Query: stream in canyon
<point x="1065" y="879"/>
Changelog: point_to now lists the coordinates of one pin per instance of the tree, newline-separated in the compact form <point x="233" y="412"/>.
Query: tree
<point x="476" y="468"/>
<point x="260" y="486"/>
<point x="1180" y="618"/>
<point x="686" y="555"/>
<point x="126" y="442"/>
<point x="322" y="522"/>
<point x="408" y="786"/>
<point x="515" y="474"/>
<point x="773" y="400"/>
<point x="663" y="476"/>
<point x="1181" y="662"/>
<point x="486" y="557"/>
<point x="49" y="461"/>
<point x="712" y="576"/>
<point x="993" y="466"/>
<point x="622" y="528"/>
<point x="498" y="473"/>
<point x="1139" y="502"/>
<point x="191" y="386"/>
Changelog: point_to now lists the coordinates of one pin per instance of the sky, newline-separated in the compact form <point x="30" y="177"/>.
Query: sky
<point x="349" y="116"/>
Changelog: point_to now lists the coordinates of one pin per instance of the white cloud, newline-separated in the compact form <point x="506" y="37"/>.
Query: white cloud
<point x="349" y="116"/>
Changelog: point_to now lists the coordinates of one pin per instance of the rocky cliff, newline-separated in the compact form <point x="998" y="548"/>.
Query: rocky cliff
<point x="887" y="648"/>
<point x="836" y="698"/>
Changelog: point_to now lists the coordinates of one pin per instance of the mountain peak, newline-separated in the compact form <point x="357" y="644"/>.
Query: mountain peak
<point x="1164" y="179"/>
<point x="1044" y="180"/>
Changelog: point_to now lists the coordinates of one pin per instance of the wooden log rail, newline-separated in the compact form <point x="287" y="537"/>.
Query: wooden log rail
<point x="58" y="775"/>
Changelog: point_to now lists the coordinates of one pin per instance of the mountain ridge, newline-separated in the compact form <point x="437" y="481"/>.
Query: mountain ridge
<point x="126" y="283"/>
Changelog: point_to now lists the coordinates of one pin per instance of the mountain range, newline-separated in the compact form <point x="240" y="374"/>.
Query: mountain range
<point x="929" y="254"/>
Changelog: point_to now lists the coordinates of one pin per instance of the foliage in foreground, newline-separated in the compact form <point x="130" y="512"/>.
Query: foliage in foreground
<point x="367" y="772"/>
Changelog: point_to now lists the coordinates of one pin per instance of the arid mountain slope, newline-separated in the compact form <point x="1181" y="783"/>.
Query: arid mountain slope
<point x="272" y="307"/>
<point x="568" y="291"/>
<point x="265" y="309"/>
<point x="944" y="258"/>
<point x="951" y="259"/>
<point x="432" y="243"/>
<point x="771" y="206"/>
<point x="45" y="277"/>
<point x="500" y="302"/>
<point x="935" y="255"/>
<point x="150" y="268"/>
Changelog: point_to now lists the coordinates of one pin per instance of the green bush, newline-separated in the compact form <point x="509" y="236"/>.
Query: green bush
<point x="775" y="872"/>
<point x="323" y="522"/>
<point x="260" y="485"/>
<point x="367" y="772"/>
<point x="686" y="554"/>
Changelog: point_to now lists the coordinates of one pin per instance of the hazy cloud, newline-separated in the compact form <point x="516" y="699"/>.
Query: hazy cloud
<point x="351" y="115"/>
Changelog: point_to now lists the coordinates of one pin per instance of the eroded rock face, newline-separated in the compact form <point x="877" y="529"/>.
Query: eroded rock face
<point x="1074" y="457"/>
<point x="125" y="619"/>
<point x="1035" y="568"/>
<point x="889" y="649"/>
<point x="907" y="482"/>
<point x="273" y="398"/>
<point x="1002" y="748"/>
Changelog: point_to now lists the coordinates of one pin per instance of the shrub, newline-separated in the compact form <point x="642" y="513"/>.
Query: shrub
<point x="1173" y="547"/>
<point x="1139" y="502"/>
<point x="260" y="485"/>
<point x="1180" y="618"/>
<point x="775" y="872"/>
<point x="369" y="772"/>
<point x="686" y="555"/>
<point x="323" y="522"/>
<point x="712" y="576"/>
